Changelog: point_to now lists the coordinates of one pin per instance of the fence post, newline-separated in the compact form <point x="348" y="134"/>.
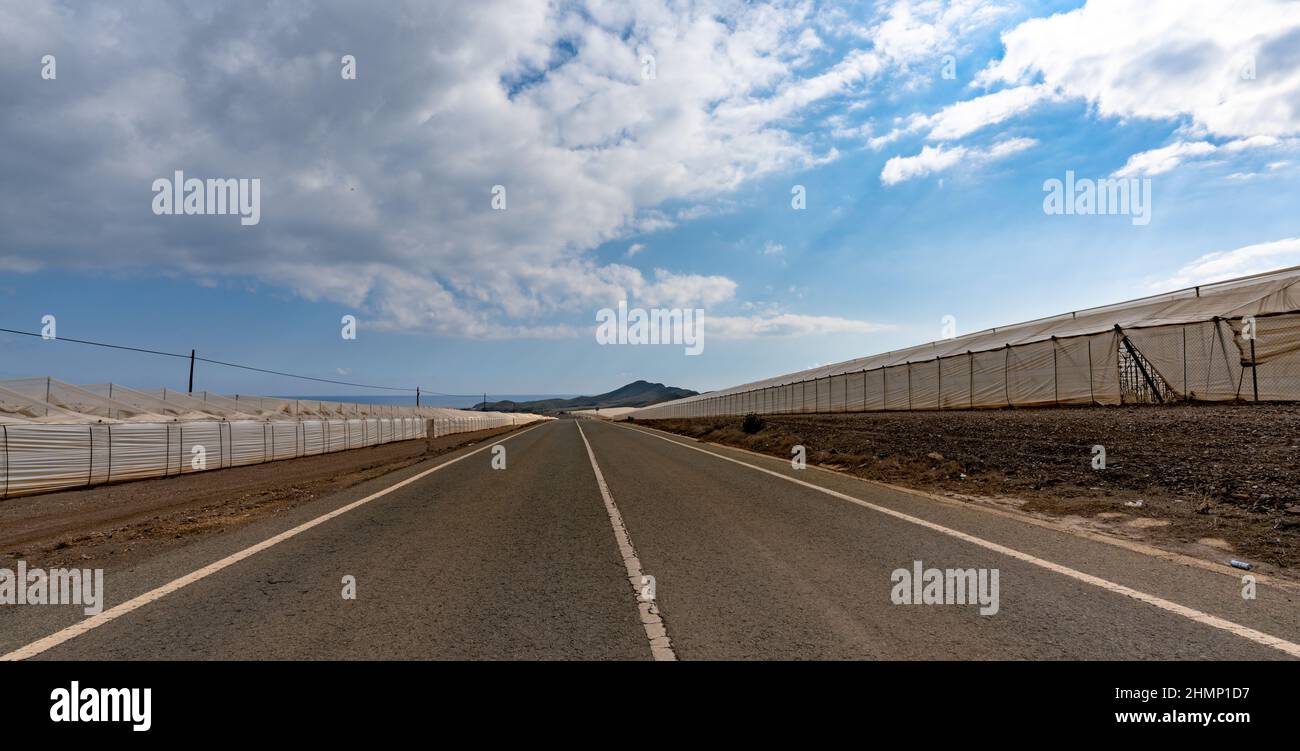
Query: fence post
<point x="1006" y="375"/>
<point x="938" y="364"/>
<point x="1056" y="382"/>
<point x="970" y="358"/>
<point x="1254" y="369"/>
<point x="1187" y="394"/>
<point x="1092" y="389"/>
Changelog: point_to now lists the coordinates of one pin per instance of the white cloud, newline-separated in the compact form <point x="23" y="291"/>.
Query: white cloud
<point x="376" y="192"/>
<point x="960" y="119"/>
<point x="934" y="159"/>
<point x="1229" y="264"/>
<point x="1167" y="60"/>
<point x="772" y="249"/>
<point x="785" y="324"/>
<point x="914" y="31"/>
<point x="963" y="118"/>
<point x="685" y="290"/>
<point x="1163" y="159"/>
<point x="931" y="159"/>
<point x="634" y="248"/>
<point x="1166" y="158"/>
<point x="1224" y="70"/>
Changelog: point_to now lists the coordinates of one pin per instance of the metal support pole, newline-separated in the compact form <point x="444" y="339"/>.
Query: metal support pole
<point x="1006" y="375"/>
<point x="1254" y="369"/>
<point x="1187" y="394"/>
<point x="191" y="389"/>
<point x="1056" y="381"/>
<point x="1092" y="389"/>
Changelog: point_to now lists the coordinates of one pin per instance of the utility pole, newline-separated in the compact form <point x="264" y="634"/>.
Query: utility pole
<point x="484" y="407"/>
<point x="417" y="396"/>
<point x="191" y="372"/>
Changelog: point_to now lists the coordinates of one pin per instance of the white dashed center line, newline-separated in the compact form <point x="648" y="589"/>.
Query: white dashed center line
<point x="660" y="646"/>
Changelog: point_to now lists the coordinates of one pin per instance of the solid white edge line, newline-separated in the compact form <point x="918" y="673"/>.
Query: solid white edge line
<point x="135" y="603"/>
<point x="1237" y="629"/>
<point x="661" y="647"/>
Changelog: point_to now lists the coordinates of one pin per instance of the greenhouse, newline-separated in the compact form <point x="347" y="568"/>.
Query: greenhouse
<point x="1232" y="340"/>
<point x="55" y="435"/>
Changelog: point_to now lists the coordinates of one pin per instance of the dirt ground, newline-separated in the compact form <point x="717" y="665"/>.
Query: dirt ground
<point x="1214" y="481"/>
<point x="126" y="521"/>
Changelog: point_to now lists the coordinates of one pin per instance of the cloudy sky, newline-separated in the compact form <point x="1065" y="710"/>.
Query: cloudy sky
<point x="648" y="151"/>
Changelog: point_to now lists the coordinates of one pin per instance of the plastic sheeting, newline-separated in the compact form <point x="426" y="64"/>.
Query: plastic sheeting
<point x="1237" y="339"/>
<point x="55" y="436"/>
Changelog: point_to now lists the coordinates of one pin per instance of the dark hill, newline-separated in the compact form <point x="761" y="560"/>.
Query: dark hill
<point x="635" y="394"/>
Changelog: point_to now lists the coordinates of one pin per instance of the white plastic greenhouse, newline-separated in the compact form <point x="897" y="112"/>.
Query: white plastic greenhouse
<point x="55" y="435"/>
<point x="1232" y="340"/>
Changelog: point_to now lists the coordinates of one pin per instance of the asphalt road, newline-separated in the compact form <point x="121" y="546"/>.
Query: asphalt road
<point x="470" y="562"/>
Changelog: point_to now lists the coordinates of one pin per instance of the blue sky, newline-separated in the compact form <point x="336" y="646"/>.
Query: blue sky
<point x="924" y="193"/>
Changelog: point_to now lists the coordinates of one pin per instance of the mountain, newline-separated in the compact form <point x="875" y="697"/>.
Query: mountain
<point x="635" y="394"/>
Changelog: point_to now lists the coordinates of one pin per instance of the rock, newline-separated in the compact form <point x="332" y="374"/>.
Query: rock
<point x="1292" y="510"/>
<point x="935" y="455"/>
<point x="1204" y="508"/>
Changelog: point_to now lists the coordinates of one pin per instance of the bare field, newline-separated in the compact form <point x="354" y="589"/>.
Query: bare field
<point x="117" y="523"/>
<point x="1211" y="480"/>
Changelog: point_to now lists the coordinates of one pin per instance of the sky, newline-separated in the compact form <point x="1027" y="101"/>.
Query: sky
<point x="824" y="180"/>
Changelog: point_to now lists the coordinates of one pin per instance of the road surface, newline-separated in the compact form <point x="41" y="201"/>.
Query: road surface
<point x="750" y="559"/>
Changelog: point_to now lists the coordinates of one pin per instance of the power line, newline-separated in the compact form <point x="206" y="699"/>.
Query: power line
<point x="98" y="344"/>
<point x="231" y="364"/>
<point x="303" y="377"/>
